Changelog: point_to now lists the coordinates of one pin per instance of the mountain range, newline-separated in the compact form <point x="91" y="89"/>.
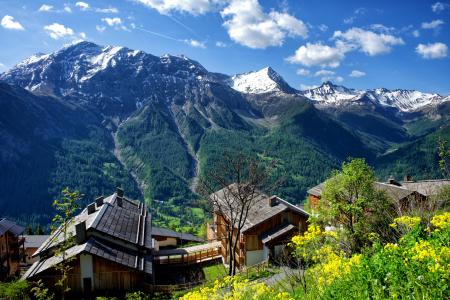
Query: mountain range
<point x="93" y="117"/>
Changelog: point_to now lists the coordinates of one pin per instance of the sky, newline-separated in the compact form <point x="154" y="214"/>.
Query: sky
<point x="358" y="44"/>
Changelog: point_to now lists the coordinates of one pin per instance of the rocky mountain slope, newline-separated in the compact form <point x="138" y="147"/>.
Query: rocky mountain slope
<point x="116" y="116"/>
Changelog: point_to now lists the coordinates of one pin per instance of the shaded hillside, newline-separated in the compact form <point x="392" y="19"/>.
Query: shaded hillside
<point x="418" y="158"/>
<point x="48" y="144"/>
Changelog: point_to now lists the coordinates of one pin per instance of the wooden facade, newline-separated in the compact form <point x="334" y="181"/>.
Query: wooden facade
<point x="11" y="249"/>
<point x="267" y="235"/>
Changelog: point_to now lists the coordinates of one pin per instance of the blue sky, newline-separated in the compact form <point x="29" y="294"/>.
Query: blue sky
<point x="359" y="44"/>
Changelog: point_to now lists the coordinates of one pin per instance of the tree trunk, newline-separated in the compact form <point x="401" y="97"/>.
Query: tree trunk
<point x="230" y="248"/>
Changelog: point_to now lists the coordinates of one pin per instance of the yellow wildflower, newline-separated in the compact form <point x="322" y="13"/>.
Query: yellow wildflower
<point x="441" y="221"/>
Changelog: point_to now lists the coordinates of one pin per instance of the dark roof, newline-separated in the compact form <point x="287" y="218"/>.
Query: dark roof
<point x="261" y="210"/>
<point x="35" y="241"/>
<point x="276" y="232"/>
<point x="158" y="231"/>
<point x="129" y="223"/>
<point x="7" y="225"/>
<point x="125" y="257"/>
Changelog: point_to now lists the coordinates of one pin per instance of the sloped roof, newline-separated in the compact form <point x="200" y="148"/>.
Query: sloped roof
<point x="159" y="231"/>
<point x="129" y="223"/>
<point x="316" y="190"/>
<point x="276" y="232"/>
<point x="400" y="191"/>
<point x="394" y="191"/>
<point x="122" y="256"/>
<point x="7" y="225"/>
<point x="261" y="210"/>
<point x="426" y="187"/>
<point x="35" y="241"/>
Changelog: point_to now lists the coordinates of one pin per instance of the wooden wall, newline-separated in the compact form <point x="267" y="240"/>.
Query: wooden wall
<point x="250" y="241"/>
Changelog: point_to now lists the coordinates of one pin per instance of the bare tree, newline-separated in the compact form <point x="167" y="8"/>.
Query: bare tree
<point x="232" y="189"/>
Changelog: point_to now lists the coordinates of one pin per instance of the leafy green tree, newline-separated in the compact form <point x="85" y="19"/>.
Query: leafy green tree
<point x="444" y="155"/>
<point x="40" y="292"/>
<point x="351" y="202"/>
<point x="66" y="208"/>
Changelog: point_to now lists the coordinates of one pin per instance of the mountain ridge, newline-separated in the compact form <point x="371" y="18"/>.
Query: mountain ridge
<point x="160" y="123"/>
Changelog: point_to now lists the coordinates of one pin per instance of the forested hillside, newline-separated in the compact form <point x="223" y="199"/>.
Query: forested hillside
<point x="93" y="118"/>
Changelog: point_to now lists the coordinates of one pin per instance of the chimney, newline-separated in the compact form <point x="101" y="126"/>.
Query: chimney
<point x="392" y="181"/>
<point x="99" y="201"/>
<point x="91" y="208"/>
<point x="408" y="177"/>
<point x="119" y="192"/>
<point x="273" y="200"/>
<point x="80" y="232"/>
<point x="119" y="201"/>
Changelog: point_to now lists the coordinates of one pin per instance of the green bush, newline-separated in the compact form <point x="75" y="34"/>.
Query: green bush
<point x="17" y="289"/>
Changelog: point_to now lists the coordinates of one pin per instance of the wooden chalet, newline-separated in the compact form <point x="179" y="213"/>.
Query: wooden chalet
<point x="11" y="248"/>
<point x="113" y="252"/>
<point x="406" y="195"/>
<point x="31" y="245"/>
<point x="270" y="224"/>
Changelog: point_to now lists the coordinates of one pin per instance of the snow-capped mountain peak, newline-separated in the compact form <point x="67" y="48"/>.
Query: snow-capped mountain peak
<point x="330" y="95"/>
<point x="263" y="81"/>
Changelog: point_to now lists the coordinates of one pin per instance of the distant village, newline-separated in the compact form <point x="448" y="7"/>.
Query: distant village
<point x="117" y="248"/>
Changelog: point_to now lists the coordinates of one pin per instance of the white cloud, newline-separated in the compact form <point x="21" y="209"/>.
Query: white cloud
<point x="381" y="28"/>
<point x="432" y="51"/>
<point x="324" y="73"/>
<point x="57" y="31"/>
<point x="195" y="43"/>
<point x="46" y="8"/>
<point x="339" y="79"/>
<point x="2" y="66"/>
<point x="318" y="54"/>
<point x="307" y="87"/>
<point x="357" y="74"/>
<point x="439" y="7"/>
<point x="416" y="33"/>
<point x="349" y="20"/>
<point x="293" y="26"/>
<point x="435" y="24"/>
<point x="100" y="28"/>
<point x="357" y="12"/>
<point x="221" y="44"/>
<point x="109" y="10"/>
<point x="194" y="7"/>
<point x="8" y="22"/>
<point x="112" y="21"/>
<point x="67" y="9"/>
<point x="323" y="27"/>
<point x="82" y="5"/>
<point x="368" y="42"/>
<point x="248" y="25"/>
<point x="303" y="72"/>
<point x="82" y="35"/>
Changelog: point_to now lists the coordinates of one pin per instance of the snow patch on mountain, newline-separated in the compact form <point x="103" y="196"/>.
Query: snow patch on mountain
<point x="329" y="94"/>
<point x="263" y="81"/>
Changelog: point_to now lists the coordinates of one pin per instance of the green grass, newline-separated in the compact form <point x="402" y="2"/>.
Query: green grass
<point x="214" y="272"/>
